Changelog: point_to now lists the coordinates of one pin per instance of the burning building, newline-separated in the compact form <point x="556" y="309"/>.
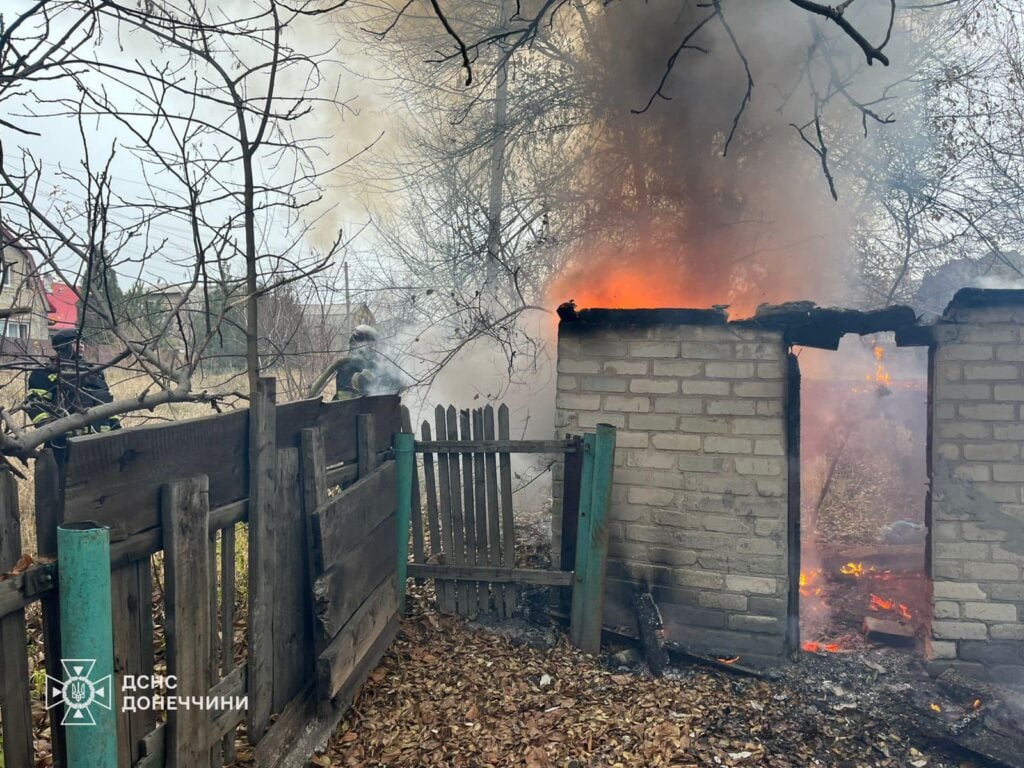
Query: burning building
<point x="706" y="506"/>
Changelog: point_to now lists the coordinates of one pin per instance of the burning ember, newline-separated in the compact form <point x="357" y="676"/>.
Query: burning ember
<point x="808" y="588"/>
<point x="820" y="647"/>
<point x="936" y="708"/>
<point x="853" y="569"/>
<point x="728" y="660"/>
<point x="881" y="374"/>
<point x="880" y="604"/>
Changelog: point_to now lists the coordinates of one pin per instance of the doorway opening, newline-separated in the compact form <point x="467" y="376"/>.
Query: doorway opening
<point x="863" y="533"/>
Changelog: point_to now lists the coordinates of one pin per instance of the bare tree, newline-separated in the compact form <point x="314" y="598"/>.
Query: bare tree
<point x="193" y="162"/>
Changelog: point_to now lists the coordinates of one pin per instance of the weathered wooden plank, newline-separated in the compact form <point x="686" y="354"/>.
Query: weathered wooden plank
<point x="430" y="486"/>
<point x="339" y="423"/>
<point x="293" y="642"/>
<point x="115" y="478"/>
<point x="344" y="521"/>
<point x="15" y="707"/>
<point x="493" y="513"/>
<point x="131" y="597"/>
<point x="458" y="551"/>
<point x="262" y="458"/>
<point x="480" y="489"/>
<point x="340" y="659"/>
<point x="338" y="420"/>
<point x="293" y="417"/>
<point x="154" y="748"/>
<point x="469" y="515"/>
<point x="342" y="475"/>
<point x="314" y="494"/>
<point x="340" y="590"/>
<point x="366" y="442"/>
<point x="188" y="622"/>
<point x="306" y="725"/>
<point x="17" y="592"/>
<point x="39" y="581"/>
<point x="142" y="545"/>
<point x="444" y="592"/>
<point x="570" y="515"/>
<point x="485" y="445"/>
<point x="508" y="535"/>
<point x="154" y="743"/>
<point x="227" y="622"/>
<point x="446" y="600"/>
<point x="49" y="513"/>
<point x="496" y="575"/>
<point x="233" y="686"/>
<point x="216" y="751"/>
<point x="416" y="521"/>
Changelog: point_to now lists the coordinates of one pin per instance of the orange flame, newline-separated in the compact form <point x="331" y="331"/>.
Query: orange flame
<point x="814" y="647"/>
<point x="807" y="583"/>
<point x="936" y="708"/>
<point x="853" y="569"/>
<point x="731" y="660"/>
<point x="976" y="704"/>
<point x="880" y="604"/>
<point x="881" y="375"/>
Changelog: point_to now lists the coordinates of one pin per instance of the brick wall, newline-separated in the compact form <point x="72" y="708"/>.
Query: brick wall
<point x="977" y="483"/>
<point x="699" y="502"/>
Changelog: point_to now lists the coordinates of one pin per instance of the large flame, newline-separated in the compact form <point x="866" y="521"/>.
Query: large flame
<point x="649" y="278"/>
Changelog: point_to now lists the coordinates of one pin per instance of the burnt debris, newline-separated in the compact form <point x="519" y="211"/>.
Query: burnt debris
<point x="802" y="322"/>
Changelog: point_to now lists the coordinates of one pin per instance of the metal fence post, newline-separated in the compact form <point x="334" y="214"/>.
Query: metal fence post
<point x="87" y="646"/>
<point x="405" y="466"/>
<point x="604" y="463"/>
<point x="592" y="539"/>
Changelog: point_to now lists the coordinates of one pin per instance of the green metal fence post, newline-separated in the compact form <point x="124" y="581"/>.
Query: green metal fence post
<point x="87" y="646"/>
<point x="604" y="463"/>
<point x="592" y="539"/>
<point x="578" y="606"/>
<point x="404" y="444"/>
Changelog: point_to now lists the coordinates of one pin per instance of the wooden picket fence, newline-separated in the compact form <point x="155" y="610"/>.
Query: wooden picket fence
<point x="320" y="591"/>
<point x="467" y="541"/>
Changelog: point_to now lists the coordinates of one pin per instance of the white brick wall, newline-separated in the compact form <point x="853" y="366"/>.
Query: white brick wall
<point x="700" y="506"/>
<point x="977" y="485"/>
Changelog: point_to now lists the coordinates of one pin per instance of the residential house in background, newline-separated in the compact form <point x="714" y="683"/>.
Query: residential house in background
<point x="63" y="304"/>
<point x="24" y="307"/>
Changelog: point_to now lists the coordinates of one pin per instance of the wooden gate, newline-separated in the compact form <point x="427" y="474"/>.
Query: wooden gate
<point x="466" y="542"/>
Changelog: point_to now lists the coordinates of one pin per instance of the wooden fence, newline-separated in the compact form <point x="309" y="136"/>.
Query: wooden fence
<point x="467" y="544"/>
<point x="319" y="591"/>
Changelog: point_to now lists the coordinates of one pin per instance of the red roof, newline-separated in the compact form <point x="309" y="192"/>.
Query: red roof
<point x="64" y="302"/>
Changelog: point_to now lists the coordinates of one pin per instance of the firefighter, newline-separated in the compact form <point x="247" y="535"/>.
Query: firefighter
<point x="362" y="371"/>
<point x="355" y="373"/>
<point x="67" y="385"/>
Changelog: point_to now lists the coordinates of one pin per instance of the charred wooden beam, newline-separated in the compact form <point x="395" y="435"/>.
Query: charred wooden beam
<point x="807" y="324"/>
<point x="733" y="664"/>
<point x="888" y="631"/>
<point x="590" y="320"/>
<point x="652" y="633"/>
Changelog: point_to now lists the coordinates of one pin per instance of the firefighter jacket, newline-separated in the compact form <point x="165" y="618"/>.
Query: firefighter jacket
<point x="57" y="391"/>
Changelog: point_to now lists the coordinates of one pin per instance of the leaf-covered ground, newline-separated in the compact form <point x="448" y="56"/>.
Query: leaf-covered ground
<point x="449" y="694"/>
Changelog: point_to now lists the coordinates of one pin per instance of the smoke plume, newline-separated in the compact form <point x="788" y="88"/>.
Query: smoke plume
<point x="672" y="218"/>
